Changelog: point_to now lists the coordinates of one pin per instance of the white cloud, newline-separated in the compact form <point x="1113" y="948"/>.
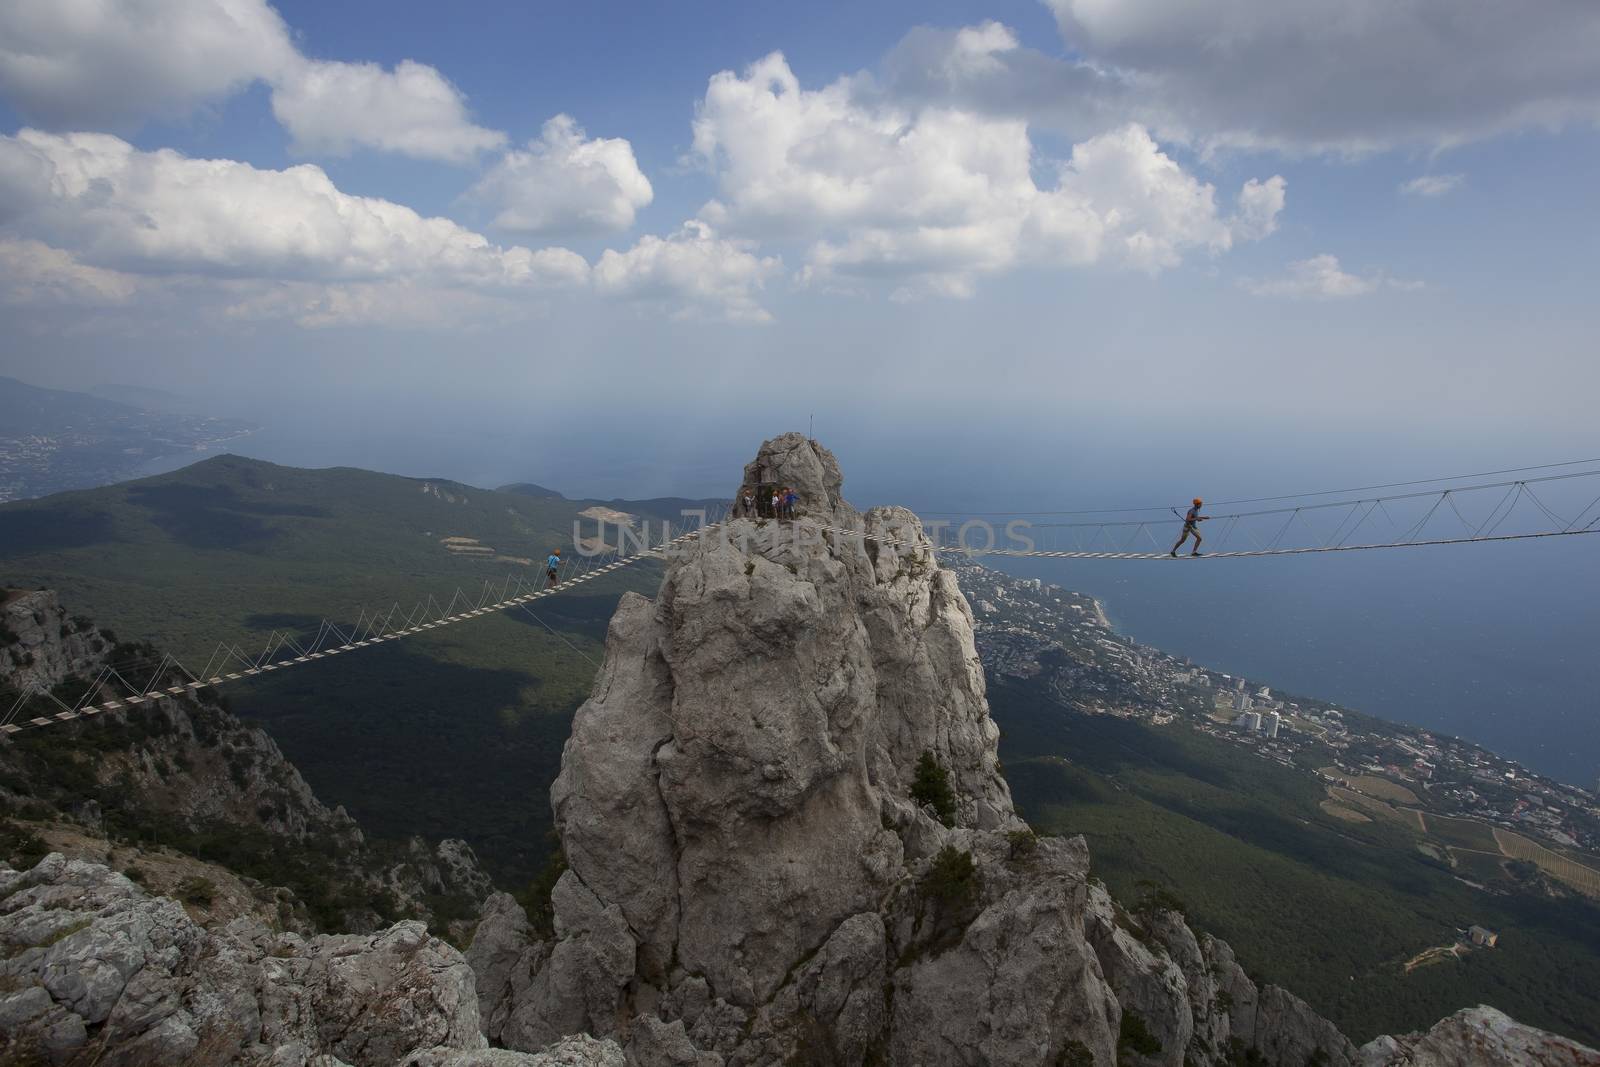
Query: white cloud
<point x="566" y="183"/>
<point x="88" y="218"/>
<point x="693" y="269"/>
<point x="1321" y="278"/>
<point x="110" y="64"/>
<point x="32" y="272"/>
<point x="986" y="69"/>
<point x="937" y="196"/>
<point x="388" y="304"/>
<point x="1432" y="184"/>
<point x="160" y="212"/>
<point x="113" y="63"/>
<point x="332" y="108"/>
<point x="1357" y="75"/>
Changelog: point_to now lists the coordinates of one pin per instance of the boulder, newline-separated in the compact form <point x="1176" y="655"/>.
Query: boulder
<point x="85" y="951"/>
<point x="1477" y="1037"/>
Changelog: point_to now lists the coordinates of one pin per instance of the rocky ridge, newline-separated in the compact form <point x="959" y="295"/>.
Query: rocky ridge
<point x="789" y="840"/>
<point x="93" y="969"/>
<point x="184" y="772"/>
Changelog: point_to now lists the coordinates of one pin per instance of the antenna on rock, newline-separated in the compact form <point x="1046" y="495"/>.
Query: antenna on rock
<point x="811" y="429"/>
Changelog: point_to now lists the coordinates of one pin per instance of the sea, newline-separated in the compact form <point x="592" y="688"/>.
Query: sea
<point x="1496" y="643"/>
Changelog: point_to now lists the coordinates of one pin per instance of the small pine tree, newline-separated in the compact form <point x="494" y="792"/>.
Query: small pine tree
<point x="931" y="787"/>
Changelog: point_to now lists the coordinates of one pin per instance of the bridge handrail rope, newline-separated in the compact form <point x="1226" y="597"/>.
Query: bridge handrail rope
<point x="417" y="621"/>
<point x="1163" y="508"/>
<point x="1288" y="510"/>
<point x="1234" y="554"/>
<point x="171" y="678"/>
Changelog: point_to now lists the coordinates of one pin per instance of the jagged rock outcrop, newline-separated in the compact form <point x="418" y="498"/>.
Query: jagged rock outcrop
<point x="789" y="839"/>
<point x="1478" y="1035"/>
<point x="89" y="961"/>
<point x="183" y="771"/>
<point x="43" y="646"/>
<point x="578" y="1051"/>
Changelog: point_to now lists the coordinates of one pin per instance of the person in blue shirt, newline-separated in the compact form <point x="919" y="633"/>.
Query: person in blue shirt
<point x="1191" y="528"/>
<point x="551" y="564"/>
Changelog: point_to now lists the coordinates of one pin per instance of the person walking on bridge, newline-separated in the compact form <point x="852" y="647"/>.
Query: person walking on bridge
<point x="1191" y="528"/>
<point x="552" y="564"/>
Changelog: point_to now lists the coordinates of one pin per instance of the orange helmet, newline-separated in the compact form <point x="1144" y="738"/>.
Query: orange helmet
<point x="1198" y="501"/>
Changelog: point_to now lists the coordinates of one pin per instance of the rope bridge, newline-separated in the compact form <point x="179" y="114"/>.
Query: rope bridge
<point x="112" y="690"/>
<point x="1472" y="513"/>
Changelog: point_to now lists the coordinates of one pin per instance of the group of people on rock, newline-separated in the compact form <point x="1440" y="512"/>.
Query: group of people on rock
<point x="766" y="502"/>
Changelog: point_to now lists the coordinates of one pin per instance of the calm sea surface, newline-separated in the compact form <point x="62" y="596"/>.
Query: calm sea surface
<point x="1497" y="643"/>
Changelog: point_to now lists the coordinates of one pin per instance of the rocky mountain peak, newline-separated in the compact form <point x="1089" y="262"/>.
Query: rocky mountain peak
<point x="789" y="841"/>
<point x="739" y="783"/>
<point x="795" y="461"/>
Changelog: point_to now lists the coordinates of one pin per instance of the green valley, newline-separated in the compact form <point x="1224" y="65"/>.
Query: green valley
<point x="456" y="732"/>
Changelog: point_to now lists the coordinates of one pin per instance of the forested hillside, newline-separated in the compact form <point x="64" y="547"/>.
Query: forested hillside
<point x="1330" y="909"/>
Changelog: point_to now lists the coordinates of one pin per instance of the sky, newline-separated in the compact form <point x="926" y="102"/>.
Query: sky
<point x="614" y="237"/>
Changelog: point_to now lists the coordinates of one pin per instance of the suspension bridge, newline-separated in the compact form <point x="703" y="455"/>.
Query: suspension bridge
<point x="1467" y="511"/>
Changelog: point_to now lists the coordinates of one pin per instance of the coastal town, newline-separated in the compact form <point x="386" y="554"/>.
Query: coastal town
<point x="1435" y="784"/>
<point x="81" y="454"/>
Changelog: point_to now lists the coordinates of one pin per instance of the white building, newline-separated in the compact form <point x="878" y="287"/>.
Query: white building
<point x="1272" y="724"/>
<point x="1241" y="701"/>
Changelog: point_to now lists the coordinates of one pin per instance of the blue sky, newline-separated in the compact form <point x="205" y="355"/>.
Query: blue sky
<point x="1253" y="218"/>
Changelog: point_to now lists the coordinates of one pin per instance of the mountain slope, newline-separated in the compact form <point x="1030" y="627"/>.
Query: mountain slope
<point x="440" y="734"/>
<point x="185" y="774"/>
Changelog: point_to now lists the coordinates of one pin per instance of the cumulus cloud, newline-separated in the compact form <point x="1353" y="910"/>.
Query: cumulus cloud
<point x="33" y="272"/>
<point x="1321" y="278"/>
<point x="1431" y="185"/>
<point x="986" y="68"/>
<point x="566" y="183"/>
<point x="387" y="304"/>
<point x="113" y="63"/>
<point x="88" y="218"/>
<point x="332" y="108"/>
<point x="935" y="197"/>
<point x="1355" y="76"/>
<point x="694" y="270"/>
<point x="120" y="208"/>
<point x="110" y="64"/>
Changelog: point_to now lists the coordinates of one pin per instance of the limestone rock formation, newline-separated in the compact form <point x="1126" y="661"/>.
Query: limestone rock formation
<point x="88" y="955"/>
<point x="42" y="645"/>
<point x="1478" y="1035"/>
<point x="789" y="839"/>
<point x="91" y="964"/>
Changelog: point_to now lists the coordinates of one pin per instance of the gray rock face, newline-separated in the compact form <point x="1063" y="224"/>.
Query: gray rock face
<point x="85" y="951"/>
<point x="1023" y="984"/>
<point x="504" y="957"/>
<point x="45" y="646"/>
<point x="1476" y="1036"/>
<point x="752" y="880"/>
<point x="580" y="1051"/>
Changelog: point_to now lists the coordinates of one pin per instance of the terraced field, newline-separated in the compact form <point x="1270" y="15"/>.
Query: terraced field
<point x="1585" y="880"/>
<point x="1409" y="818"/>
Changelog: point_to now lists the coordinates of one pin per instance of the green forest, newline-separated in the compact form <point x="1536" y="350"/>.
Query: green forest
<point x="1328" y="909"/>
